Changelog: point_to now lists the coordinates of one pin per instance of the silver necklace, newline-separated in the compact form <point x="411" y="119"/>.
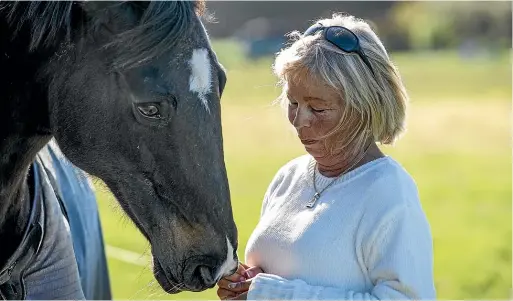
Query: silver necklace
<point x="317" y="194"/>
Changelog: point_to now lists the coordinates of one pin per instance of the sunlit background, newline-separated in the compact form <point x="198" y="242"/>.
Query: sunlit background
<point x="455" y="59"/>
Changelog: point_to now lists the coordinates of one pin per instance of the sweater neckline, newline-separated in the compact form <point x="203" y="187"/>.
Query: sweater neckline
<point x="321" y="181"/>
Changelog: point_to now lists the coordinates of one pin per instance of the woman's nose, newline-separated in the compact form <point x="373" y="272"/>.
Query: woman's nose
<point x="301" y="118"/>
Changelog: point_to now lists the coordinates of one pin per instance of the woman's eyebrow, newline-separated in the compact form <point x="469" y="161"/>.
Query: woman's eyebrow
<point x="312" y="98"/>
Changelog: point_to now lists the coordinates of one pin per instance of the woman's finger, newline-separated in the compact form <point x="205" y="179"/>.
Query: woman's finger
<point x="242" y="296"/>
<point x="235" y="277"/>
<point x="241" y="286"/>
<point x="225" y="294"/>
<point x="252" y="272"/>
<point x="241" y="268"/>
<point x="230" y="285"/>
<point x="223" y="283"/>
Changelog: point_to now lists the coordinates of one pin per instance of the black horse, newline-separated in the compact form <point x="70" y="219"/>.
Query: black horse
<point x="131" y="93"/>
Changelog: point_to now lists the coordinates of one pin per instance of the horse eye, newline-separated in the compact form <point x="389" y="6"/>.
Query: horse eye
<point x="149" y="110"/>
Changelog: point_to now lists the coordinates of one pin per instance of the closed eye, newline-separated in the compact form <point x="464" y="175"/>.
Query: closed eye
<point x="318" y="110"/>
<point x="292" y="102"/>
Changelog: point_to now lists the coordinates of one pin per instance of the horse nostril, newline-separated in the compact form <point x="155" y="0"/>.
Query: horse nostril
<point x="207" y="275"/>
<point x="203" y="276"/>
<point x="200" y="276"/>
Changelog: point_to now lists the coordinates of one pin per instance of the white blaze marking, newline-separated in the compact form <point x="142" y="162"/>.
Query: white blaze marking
<point x="229" y="263"/>
<point x="200" y="80"/>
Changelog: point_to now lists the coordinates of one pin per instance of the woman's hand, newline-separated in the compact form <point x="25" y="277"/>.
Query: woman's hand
<point x="235" y="286"/>
<point x="242" y="296"/>
<point x="224" y="291"/>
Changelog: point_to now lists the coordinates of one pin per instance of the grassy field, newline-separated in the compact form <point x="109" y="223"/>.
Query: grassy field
<point x="457" y="148"/>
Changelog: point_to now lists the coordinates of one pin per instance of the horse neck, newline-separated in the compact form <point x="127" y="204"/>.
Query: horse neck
<point x="17" y="154"/>
<point x="23" y="132"/>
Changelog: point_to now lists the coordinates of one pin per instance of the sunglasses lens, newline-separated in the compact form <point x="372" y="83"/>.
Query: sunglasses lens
<point x="343" y="38"/>
<point x="313" y="29"/>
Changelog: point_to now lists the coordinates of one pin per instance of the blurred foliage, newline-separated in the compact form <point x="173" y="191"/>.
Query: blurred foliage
<point x="470" y="26"/>
<point x="455" y="24"/>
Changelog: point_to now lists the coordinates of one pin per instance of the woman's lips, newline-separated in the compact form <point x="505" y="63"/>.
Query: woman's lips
<point x="308" y="141"/>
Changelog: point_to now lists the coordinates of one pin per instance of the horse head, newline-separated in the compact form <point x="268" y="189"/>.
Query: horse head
<point x="133" y="95"/>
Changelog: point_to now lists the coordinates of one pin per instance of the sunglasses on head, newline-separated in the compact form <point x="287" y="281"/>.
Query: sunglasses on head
<point x="342" y="38"/>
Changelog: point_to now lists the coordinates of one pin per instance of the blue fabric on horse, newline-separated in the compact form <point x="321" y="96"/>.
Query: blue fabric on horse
<point x="79" y="202"/>
<point x="53" y="273"/>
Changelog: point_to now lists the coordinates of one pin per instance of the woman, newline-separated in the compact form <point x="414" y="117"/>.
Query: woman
<point x="345" y="221"/>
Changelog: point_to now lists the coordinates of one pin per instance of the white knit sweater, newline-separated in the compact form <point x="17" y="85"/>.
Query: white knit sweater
<point x="367" y="238"/>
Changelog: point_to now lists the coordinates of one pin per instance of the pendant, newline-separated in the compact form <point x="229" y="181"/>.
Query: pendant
<point x="313" y="200"/>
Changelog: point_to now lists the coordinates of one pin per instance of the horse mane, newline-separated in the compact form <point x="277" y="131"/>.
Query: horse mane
<point x="160" y="25"/>
<point x="46" y="20"/>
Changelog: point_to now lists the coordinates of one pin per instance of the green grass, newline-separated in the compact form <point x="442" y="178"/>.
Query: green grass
<point x="457" y="148"/>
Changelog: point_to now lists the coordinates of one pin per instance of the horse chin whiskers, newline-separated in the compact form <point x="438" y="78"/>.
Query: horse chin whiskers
<point x="176" y="288"/>
<point x="166" y="280"/>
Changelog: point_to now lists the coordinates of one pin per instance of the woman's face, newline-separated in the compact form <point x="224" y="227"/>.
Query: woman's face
<point x="314" y="110"/>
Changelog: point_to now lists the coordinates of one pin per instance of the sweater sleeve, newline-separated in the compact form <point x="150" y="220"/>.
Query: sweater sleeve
<point x="398" y="257"/>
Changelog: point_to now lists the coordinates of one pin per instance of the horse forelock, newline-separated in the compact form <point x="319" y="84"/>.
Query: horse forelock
<point x="161" y="25"/>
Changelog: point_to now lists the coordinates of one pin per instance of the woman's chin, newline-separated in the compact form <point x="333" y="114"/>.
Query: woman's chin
<point x="319" y="153"/>
<point x="314" y="151"/>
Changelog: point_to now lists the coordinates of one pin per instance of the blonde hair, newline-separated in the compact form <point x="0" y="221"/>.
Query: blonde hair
<point x="375" y="105"/>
